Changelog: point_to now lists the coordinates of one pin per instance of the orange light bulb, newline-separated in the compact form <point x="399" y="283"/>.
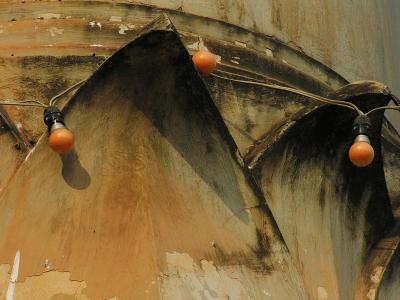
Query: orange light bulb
<point x="205" y="62"/>
<point x="61" y="140"/>
<point x="361" y="154"/>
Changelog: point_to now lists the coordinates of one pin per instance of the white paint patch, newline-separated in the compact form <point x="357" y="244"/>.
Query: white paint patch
<point x="377" y="274"/>
<point x="93" y="24"/>
<point x="322" y="294"/>
<point x="267" y="294"/>
<point x="47" y="265"/>
<point x="234" y="62"/>
<point x="236" y="57"/>
<point x="115" y="19"/>
<point x="55" y="31"/>
<point x="96" y="45"/>
<point x="122" y="29"/>
<point x="49" y="16"/>
<point x="14" y="277"/>
<point x="68" y="17"/>
<point x="269" y="52"/>
<point x="371" y="294"/>
<point x="186" y="279"/>
<point x="240" y="44"/>
<point x="194" y="46"/>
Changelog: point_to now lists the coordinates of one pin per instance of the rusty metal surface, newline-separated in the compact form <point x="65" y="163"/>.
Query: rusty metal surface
<point x="86" y="27"/>
<point x="47" y="46"/>
<point x="154" y="202"/>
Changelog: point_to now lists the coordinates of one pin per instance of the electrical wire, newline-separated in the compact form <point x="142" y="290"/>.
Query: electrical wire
<point x="340" y="103"/>
<point x="382" y="108"/>
<point x="34" y="103"/>
<point x="54" y="99"/>
<point x="321" y="99"/>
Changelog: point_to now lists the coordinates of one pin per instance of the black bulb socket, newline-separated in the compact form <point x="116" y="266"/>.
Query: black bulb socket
<point x="362" y="126"/>
<point x="53" y="118"/>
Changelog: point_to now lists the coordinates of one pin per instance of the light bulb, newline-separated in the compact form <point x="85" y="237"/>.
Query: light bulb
<point x="204" y="61"/>
<point x="61" y="139"/>
<point x="361" y="153"/>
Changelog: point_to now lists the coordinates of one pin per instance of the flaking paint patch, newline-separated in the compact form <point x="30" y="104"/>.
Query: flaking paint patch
<point x="377" y="274"/>
<point x="241" y="44"/>
<point x="184" y="278"/>
<point x="194" y="46"/>
<point x="115" y="19"/>
<point x="55" y="31"/>
<point x="48" y="16"/>
<point x="45" y="286"/>
<point x="322" y="294"/>
<point x="13" y="277"/>
<point x="123" y="28"/>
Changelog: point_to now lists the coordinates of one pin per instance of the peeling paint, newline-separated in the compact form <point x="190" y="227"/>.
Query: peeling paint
<point x="371" y="294"/>
<point x="122" y="29"/>
<point x="194" y="46"/>
<point x="322" y="294"/>
<point x="240" y="44"/>
<point x="115" y="19"/>
<point x="269" y="52"/>
<point x="125" y="27"/>
<point x="14" y="277"/>
<point x="184" y="278"/>
<point x="48" y="16"/>
<point x="377" y="274"/>
<point x="93" y="24"/>
<point x="45" y="286"/>
<point x="55" y="31"/>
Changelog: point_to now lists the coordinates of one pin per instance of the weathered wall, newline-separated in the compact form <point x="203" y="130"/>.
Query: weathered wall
<point x="358" y="39"/>
<point x="362" y="45"/>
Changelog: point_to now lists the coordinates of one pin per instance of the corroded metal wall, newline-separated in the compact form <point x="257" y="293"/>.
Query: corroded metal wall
<point x="47" y="46"/>
<point x="357" y="39"/>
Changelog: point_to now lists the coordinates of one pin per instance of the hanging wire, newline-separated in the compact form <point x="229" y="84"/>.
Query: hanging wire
<point x="321" y="99"/>
<point x="24" y="103"/>
<point x="344" y="104"/>
<point x="383" y="108"/>
<point x="56" y="97"/>
<point x="36" y="103"/>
